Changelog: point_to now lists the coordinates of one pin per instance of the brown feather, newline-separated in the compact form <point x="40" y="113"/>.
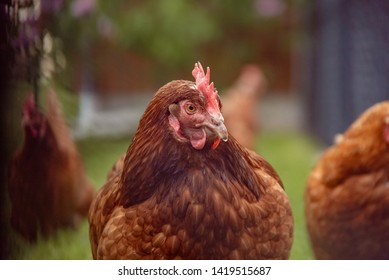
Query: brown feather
<point x="189" y="203"/>
<point x="347" y="194"/>
<point x="47" y="184"/>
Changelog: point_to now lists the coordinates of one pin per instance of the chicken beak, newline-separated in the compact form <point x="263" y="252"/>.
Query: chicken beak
<point x="222" y="132"/>
<point x="217" y="128"/>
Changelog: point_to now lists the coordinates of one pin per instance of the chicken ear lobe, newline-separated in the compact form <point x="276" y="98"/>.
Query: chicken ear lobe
<point x="174" y="110"/>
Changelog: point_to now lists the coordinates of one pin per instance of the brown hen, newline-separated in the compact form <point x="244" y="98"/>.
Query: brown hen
<point x="240" y="105"/>
<point x="182" y="193"/>
<point x="47" y="184"/>
<point x="347" y="195"/>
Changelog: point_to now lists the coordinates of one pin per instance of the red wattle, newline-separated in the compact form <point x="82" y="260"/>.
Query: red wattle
<point x="215" y="143"/>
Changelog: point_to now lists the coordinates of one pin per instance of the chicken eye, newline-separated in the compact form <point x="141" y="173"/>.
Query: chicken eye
<point x="190" y="108"/>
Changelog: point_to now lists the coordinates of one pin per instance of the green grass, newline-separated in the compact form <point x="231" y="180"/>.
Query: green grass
<point x="99" y="156"/>
<point x="291" y="154"/>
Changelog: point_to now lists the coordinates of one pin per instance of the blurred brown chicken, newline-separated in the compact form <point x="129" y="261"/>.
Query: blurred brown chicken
<point x="187" y="190"/>
<point x="240" y="105"/>
<point x="347" y="196"/>
<point x="47" y="184"/>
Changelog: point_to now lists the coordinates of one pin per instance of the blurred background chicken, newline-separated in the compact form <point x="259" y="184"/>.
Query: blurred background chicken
<point x="187" y="191"/>
<point x="241" y="104"/>
<point x="48" y="188"/>
<point x="347" y="195"/>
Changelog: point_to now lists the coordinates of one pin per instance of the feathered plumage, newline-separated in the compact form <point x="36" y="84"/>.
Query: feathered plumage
<point x="47" y="184"/>
<point x="181" y="193"/>
<point x="347" y="195"/>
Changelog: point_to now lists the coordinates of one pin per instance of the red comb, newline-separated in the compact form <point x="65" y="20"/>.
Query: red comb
<point x="202" y="79"/>
<point x="203" y="85"/>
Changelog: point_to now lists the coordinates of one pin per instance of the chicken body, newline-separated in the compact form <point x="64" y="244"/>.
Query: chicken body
<point x="347" y="195"/>
<point x="47" y="185"/>
<point x="178" y="197"/>
<point x="240" y="105"/>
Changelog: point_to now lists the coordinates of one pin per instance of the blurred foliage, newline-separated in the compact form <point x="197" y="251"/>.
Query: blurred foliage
<point x="169" y="35"/>
<point x="169" y="31"/>
<point x="174" y="34"/>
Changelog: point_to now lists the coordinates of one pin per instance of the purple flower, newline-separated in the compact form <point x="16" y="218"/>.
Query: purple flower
<point x="51" y="6"/>
<point x="28" y="34"/>
<point x="270" y="8"/>
<point x="82" y="7"/>
<point x="105" y="27"/>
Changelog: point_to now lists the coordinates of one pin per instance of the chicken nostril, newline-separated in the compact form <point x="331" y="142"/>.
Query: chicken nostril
<point x="216" y="122"/>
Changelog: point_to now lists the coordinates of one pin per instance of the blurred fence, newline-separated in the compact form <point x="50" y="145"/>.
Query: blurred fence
<point x="348" y="64"/>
